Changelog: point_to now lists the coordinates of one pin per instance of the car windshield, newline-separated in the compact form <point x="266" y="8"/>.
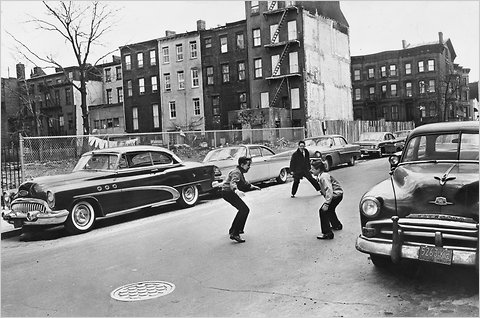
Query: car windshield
<point x="97" y="162"/>
<point x="320" y="142"/>
<point x="371" y="136"/>
<point x="442" y="147"/>
<point x="225" y="153"/>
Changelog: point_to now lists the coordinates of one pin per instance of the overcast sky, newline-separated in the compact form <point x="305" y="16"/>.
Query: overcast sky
<point x="375" y="26"/>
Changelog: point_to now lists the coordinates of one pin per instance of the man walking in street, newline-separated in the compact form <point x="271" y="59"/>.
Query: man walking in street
<point x="232" y="191"/>
<point x="300" y="167"/>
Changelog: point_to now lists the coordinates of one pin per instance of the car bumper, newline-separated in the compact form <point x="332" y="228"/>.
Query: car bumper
<point x="368" y="152"/>
<point x="33" y="212"/>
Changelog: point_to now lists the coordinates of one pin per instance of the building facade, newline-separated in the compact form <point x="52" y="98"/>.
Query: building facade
<point x="13" y="117"/>
<point x="417" y="83"/>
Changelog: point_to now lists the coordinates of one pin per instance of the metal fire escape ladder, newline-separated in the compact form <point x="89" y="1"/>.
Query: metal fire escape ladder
<point x="277" y="31"/>
<point x="277" y="93"/>
<point x="280" y="60"/>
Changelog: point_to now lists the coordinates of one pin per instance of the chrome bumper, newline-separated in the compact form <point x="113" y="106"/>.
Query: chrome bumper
<point x="19" y="217"/>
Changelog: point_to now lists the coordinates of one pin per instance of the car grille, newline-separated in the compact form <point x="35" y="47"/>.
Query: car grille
<point x="28" y="206"/>
<point x="453" y="234"/>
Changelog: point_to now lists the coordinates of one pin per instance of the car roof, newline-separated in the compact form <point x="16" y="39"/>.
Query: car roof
<point x="465" y="126"/>
<point x="323" y="136"/>
<point x="124" y="149"/>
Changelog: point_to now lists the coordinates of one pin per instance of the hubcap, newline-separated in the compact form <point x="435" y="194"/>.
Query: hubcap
<point x="82" y="216"/>
<point x="189" y="194"/>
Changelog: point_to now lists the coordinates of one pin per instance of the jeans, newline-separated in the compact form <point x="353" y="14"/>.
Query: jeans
<point x="242" y="214"/>
<point x="329" y="219"/>
<point x="308" y="176"/>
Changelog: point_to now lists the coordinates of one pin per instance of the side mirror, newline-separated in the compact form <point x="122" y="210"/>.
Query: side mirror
<point x="394" y="161"/>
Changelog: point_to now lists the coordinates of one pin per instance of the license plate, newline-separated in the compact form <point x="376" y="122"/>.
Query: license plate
<point x="435" y="254"/>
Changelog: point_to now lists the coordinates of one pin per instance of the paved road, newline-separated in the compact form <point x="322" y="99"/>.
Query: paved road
<point x="281" y="270"/>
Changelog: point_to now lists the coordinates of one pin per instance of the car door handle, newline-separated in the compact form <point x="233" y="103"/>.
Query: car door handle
<point x="154" y="170"/>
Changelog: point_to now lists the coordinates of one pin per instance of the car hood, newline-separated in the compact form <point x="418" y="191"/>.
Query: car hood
<point x="367" y="142"/>
<point x="439" y="188"/>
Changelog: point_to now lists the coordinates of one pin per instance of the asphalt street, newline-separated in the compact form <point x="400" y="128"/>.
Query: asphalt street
<point x="281" y="269"/>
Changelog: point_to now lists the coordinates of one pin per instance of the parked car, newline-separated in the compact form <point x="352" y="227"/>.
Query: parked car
<point x="428" y="209"/>
<point x="334" y="150"/>
<point x="266" y="165"/>
<point x="401" y="135"/>
<point x="379" y="143"/>
<point x="107" y="182"/>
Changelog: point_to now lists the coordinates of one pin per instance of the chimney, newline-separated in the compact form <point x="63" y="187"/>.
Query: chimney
<point x="404" y="44"/>
<point x="37" y="71"/>
<point x="20" y="71"/>
<point x="169" y="32"/>
<point x="200" y="25"/>
<point x="440" y="37"/>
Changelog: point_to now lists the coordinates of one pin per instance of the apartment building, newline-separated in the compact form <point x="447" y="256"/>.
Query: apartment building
<point x="225" y="72"/>
<point x="13" y="117"/>
<point x="418" y="83"/>
<point x="141" y="93"/>
<point x="299" y="62"/>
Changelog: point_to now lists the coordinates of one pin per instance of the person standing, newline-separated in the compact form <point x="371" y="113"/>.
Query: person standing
<point x="300" y="167"/>
<point x="333" y="193"/>
<point x="232" y="192"/>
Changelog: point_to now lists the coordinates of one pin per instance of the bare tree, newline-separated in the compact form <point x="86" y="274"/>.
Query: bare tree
<point x="82" y="25"/>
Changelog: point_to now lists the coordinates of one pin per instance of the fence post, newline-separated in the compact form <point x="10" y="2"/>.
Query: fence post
<point x="22" y="168"/>
<point x="215" y="139"/>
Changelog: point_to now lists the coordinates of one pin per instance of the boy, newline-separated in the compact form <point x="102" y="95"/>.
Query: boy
<point x="333" y="193"/>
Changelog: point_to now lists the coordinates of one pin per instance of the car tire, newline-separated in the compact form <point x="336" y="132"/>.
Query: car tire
<point x="81" y="218"/>
<point x="380" y="260"/>
<point x="188" y="196"/>
<point x="282" y="176"/>
<point x="328" y="164"/>
<point x="351" y="162"/>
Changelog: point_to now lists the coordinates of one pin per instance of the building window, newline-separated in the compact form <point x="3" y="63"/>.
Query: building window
<point x="61" y="121"/>
<point x="168" y="85"/>
<point x="371" y="92"/>
<point x="68" y="96"/>
<point x="275" y="70"/>
<point x="431" y="65"/>
<point x="193" y="50"/>
<point x="242" y="97"/>
<point x="108" y="75"/>
<point x="223" y="44"/>
<point x="421" y="87"/>
<point x="128" y="62"/>
<point x="358" y="94"/>
<point x="172" y="109"/>
<point x="154" y="84"/>
<point x="241" y="71"/>
<point x="118" y="73"/>
<point x="356" y="75"/>
<point x="295" y="95"/>
<point x="292" y="30"/>
<point x="432" y="109"/>
<point x="383" y="71"/>
<point x="141" y="86"/>
<point x="196" y="106"/>
<point x="254" y="8"/>
<point x="393" y="70"/>
<point x="129" y="88"/>
<point x="153" y="58"/>
<point x="240" y="40"/>
<point x="135" y="118"/>
<point x="120" y="94"/>
<point x="257" y="68"/>
<point x="195" y="82"/>
<point x="181" y="79"/>
<point x="225" y="73"/>
<point x="264" y="100"/>
<point x="216" y="105"/>
<point x="408" y="68"/>
<point x="156" y="116"/>
<point x="109" y="96"/>
<point x="420" y="67"/>
<point x="210" y="75"/>
<point x="371" y="72"/>
<point x="408" y="89"/>
<point x="293" y="59"/>
<point x="166" y="55"/>
<point x="256" y="37"/>
<point x="394" y="112"/>
<point x="208" y="43"/>
<point x="57" y="97"/>
<point x="393" y="89"/>
<point x="140" y="60"/>
<point x="179" y="50"/>
<point x="274" y="28"/>
<point x="431" y="86"/>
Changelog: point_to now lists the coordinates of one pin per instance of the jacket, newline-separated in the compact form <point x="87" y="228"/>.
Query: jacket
<point x="329" y="187"/>
<point x="299" y="164"/>
<point x="236" y="180"/>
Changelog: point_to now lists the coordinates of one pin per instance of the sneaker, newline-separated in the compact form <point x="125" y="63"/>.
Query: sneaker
<point x="237" y="238"/>
<point x="328" y="236"/>
<point x="292" y="196"/>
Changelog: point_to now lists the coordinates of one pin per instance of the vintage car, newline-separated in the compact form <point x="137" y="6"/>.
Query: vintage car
<point x="401" y="135"/>
<point x="378" y="143"/>
<point x="334" y="150"/>
<point x="266" y="165"/>
<point x="428" y="209"/>
<point x="109" y="182"/>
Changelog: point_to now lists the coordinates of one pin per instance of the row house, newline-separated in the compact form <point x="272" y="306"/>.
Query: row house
<point x="109" y="116"/>
<point x="417" y="83"/>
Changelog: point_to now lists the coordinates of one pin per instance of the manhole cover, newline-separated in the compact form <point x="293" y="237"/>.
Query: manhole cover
<point x="142" y="291"/>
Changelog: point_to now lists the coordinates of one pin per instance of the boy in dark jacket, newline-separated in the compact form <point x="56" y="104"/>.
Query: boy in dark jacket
<point x="300" y="167"/>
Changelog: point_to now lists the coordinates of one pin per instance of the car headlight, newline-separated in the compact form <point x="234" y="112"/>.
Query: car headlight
<point x="50" y="199"/>
<point x="370" y="207"/>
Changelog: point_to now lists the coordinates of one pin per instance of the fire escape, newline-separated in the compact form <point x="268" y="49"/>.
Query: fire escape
<point x="276" y="78"/>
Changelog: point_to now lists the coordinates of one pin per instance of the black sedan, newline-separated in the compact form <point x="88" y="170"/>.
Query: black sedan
<point x="379" y="143"/>
<point x="108" y="182"/>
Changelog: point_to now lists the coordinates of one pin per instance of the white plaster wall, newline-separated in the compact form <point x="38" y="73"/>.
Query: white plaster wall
<point x="94" y="97"/>
<point x="327" y="71"/>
